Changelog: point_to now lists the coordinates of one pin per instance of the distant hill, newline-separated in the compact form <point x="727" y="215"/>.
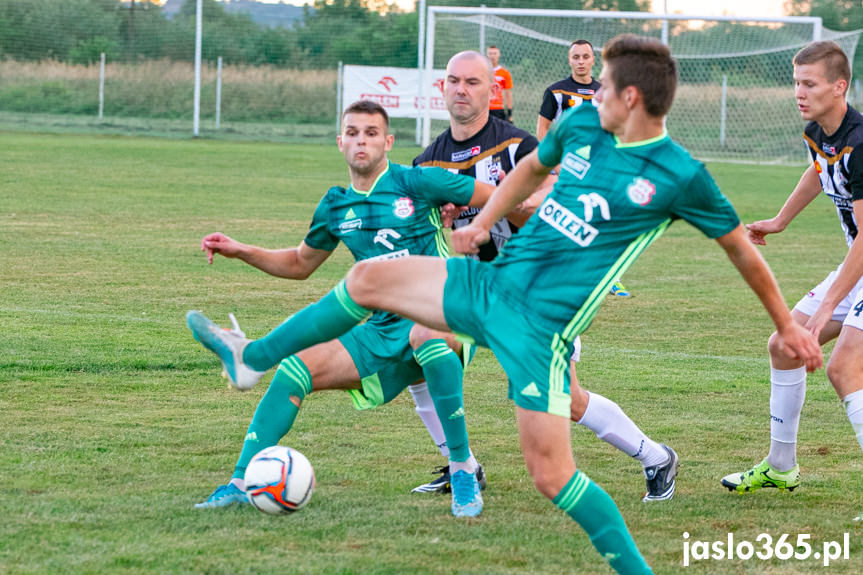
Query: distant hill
<point x="271" y="15"/>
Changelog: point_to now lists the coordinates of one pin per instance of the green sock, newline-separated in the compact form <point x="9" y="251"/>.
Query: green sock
<point x="443" y="372"/>
<point x="330" y="317"/>
<point x="592" y="508"/>
<point x="275" y="414"/>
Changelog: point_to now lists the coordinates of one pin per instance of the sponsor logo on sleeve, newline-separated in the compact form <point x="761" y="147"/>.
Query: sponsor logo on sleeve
<point x="349" y="226"/>
<point x="575" y="165"/>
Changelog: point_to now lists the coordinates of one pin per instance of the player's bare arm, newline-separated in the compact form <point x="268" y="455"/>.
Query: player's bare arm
<point x="521" y="183"/>
<point x="292" y="263"/>
<point x="849" y="275"/>
<point x="798" y="342"/>
<point x="806" y="190"/>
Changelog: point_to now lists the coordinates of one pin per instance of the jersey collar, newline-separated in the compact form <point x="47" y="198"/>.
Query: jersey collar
<point x="378" y="179"/>
<point x="618" y="144"/>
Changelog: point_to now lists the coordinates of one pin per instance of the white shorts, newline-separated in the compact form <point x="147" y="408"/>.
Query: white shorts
<point x="576" y="349"/>
<point x="849" y="311"/>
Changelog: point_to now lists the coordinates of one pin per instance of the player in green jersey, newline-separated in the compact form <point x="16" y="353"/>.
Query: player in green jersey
<point x="623" y="181"/>
<point x="389" y="211"/>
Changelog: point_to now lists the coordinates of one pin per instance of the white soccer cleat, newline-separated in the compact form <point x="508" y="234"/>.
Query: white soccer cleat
<point x="228" y="344"/>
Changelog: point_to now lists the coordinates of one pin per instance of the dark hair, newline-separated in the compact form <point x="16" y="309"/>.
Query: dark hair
<point x="835" y="61"/>
<point x="492" y="46"/>
<point x="367" y="107"/>
<point x="646" y="64"/>
<point x="581" y="42"/>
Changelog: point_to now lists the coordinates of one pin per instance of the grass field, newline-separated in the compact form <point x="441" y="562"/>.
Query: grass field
<point x="114" y="421"/>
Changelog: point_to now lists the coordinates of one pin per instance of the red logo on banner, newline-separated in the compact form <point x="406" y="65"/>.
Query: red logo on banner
<point x="386" y="81"/>
<point x="439" y="84"/>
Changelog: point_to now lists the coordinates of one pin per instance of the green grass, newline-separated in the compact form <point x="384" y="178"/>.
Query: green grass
<point x="114" y="421"/>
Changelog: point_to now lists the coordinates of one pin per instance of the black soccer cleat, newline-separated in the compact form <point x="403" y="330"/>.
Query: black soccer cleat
<point x="442" y="483"/>
<point x="661" y="479"/>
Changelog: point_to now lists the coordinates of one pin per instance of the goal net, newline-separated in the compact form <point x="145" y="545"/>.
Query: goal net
<point x="735" y="101"/>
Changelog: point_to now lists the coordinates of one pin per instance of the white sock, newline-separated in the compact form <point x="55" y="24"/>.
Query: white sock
<point x="239" y="483"/>
<point x="612" y="425"/>
<point x="787" y="392"/>
<point x="854" y="408"/>
<point x="426" y="411"/>
<point x="470" y="465"/>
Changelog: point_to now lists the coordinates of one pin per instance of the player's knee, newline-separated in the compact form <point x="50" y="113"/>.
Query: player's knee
<point x="842" y="368"/>
<point x="419" y="335"/>
<point x="547" y="480"/>
<point x="774" y="346"/>
<point x="360" y="283"/>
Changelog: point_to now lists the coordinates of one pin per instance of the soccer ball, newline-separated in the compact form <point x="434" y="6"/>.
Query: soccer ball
<point x="279" y="480"/>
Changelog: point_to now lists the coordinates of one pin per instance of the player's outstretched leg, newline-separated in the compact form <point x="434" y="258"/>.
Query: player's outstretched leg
<point x="273" y="418"/>
<point x="610" y="424"/>
<point x="245" y="361"/>
<point x="228" y="344"/>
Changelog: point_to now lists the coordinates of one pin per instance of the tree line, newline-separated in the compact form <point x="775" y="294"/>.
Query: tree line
<point x="362" y="32"/>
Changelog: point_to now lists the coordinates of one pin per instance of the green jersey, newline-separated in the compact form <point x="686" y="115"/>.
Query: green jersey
<point x="611" y="201"/>
<point x="397" y="217"/>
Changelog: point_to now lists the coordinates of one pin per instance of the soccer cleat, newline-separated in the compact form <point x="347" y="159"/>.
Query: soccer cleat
<point x="228" y="344"/>
<point x="763" y="475"/>
<point x="466" y="496"/>
<point x="223" y="496"/>
<point x="661" y="479"/>
<point x="442" y="483"/>
<point x="618" y="290"/>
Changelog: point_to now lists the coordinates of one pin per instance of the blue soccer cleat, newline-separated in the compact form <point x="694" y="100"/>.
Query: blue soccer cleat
<point x="228" y="344"/>
<point x="223" y="496"/>
<point x="466" y="496"/>
<point x="619" y="290"/>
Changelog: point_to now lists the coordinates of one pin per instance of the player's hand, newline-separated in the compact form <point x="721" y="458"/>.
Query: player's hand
<point x="449" y="212"/>
<point x="757" y="230"/>
<point x="219" y="243"/>
<point x="797" y="342"/>
<point x="467" y="240"/>
<point x="818" y="320"/>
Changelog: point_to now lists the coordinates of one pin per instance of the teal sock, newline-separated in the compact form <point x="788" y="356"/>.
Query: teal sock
<point x="592" y="508"/>
<point x="275" y="414"/>
<point x="332" y="316"/>
<point x="443" y="372"/>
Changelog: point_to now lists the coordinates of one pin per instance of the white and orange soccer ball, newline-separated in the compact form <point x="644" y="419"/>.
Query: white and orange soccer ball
<point x="279" y="480"/>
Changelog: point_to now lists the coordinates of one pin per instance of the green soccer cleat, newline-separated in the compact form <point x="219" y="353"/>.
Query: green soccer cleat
<point x="466" y="496"/>
<point x="228" y="344"/>
<point x="763" y="475"/>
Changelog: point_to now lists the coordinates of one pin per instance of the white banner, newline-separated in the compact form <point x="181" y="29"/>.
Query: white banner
<point x="396" y="89"/>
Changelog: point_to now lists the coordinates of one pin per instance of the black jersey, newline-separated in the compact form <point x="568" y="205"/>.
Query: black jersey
<point x="496" y="148"/>
<point x="566" y="94"/>
<point x="838" y="159"/>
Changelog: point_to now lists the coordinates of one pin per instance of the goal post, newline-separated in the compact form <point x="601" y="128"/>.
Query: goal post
<point x="735" y="99"/>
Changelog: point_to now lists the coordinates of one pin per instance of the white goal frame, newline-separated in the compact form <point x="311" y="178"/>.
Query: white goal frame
<point x="434" y="11"/>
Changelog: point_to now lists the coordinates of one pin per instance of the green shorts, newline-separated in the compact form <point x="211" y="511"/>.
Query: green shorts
<point x="534" y="358"/>
<point x="382" y="353"/>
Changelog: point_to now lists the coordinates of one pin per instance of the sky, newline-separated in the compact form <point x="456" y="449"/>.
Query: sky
<point x="757" y="8"/>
